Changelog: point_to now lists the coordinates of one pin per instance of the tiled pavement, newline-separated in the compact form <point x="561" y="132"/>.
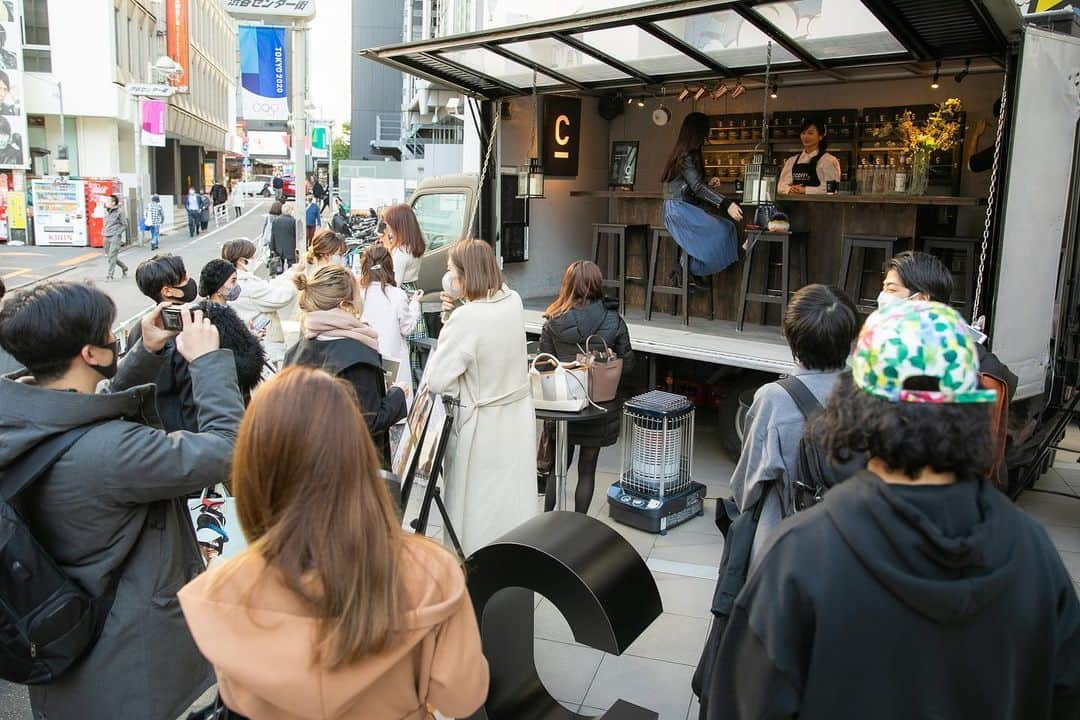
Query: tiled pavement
<point x="655" y="671"/>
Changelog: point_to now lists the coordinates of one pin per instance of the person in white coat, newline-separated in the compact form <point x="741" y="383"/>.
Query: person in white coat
<point x="261" y="302"/>
<point x="387" y="308"/>
<point x="490" y="465"/>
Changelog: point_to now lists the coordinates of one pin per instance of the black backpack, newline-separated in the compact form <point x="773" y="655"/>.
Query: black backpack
<point x="47" y="620"/>
<point x="815" y="472"/>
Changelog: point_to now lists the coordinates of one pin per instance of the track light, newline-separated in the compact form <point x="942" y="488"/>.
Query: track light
<point x="629" y="101"/>
<point x="719" y="92"/>
<point x="935" y="84"/>
<point x="684" y="94"/>
<point x="774" y="91"/>
<point x="963" y="73"/>
<point x="738" y="90"/>
<point x="700" y="93"/>
<point x="641" y="102"/>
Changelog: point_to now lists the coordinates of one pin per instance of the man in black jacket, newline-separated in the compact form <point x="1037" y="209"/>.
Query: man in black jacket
<point x="916" y="589"/>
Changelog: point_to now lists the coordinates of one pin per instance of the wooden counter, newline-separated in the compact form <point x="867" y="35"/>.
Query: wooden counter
<point x="927" y="200"/>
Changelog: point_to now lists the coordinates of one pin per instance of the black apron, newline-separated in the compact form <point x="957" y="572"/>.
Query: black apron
<point x="805" y="174"/>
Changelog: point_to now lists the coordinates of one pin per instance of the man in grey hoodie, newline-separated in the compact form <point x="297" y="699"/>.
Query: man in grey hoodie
<point x="114" y="228"/>
<point x="112" y="508"/>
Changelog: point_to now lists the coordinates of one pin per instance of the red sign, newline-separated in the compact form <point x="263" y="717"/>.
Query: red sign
<point x="178" y="45"/>
<point x="96" y="192"/>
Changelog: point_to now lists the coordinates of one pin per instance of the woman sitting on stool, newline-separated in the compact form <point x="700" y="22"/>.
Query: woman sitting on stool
<point x="694" y="213"/>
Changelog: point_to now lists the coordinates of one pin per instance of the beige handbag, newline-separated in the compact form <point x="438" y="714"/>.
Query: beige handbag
<point x="604" y="368"/>
<point x="566" y="388"/>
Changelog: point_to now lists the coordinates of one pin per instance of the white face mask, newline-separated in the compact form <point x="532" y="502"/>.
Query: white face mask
<point x="451" y="285"/>
<point x="887" y="300"/>
<point x="337" y="260"/>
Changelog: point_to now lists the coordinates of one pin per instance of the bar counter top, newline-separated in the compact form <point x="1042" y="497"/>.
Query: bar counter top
<point x="938" y="200"/>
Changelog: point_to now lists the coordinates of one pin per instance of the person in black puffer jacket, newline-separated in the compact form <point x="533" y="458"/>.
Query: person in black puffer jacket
<point x="218" y="284"/>
<point x="580" y="312"/>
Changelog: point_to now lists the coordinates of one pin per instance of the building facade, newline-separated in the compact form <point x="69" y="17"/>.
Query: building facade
<point x="376" y="89"/>
<point x="80" y="58"/>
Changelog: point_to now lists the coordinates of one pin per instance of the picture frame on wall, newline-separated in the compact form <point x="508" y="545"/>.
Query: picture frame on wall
<point x="622" y="172"/>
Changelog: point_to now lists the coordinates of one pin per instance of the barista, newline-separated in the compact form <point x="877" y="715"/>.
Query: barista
<point x="808" y="172"/>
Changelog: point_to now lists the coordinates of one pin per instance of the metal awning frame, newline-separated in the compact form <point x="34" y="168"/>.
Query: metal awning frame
<point x="427" y="59"/>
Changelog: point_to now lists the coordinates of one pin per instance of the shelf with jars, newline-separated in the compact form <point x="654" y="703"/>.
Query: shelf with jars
<point x="881" y="151"/>
<point x="735" y="129"/>
<point x="841" y="126"/>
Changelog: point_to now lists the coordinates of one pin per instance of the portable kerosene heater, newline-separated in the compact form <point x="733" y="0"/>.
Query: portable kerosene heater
<point x="655" y="492"/>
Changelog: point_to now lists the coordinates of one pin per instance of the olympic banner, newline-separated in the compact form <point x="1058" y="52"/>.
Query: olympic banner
<point x="263" y="80"/>
<point x="152" y="114"/>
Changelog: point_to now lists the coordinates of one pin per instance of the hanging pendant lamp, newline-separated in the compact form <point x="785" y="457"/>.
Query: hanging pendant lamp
<point x="531" y="176"/>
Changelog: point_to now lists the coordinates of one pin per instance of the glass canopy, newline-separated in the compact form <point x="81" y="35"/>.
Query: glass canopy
<point x="831" y="29"/>
<point x="640" y="50"/>
<point x="485" y="62"/>
<point x="727" y="38"/>
<point x="565" y="60"/>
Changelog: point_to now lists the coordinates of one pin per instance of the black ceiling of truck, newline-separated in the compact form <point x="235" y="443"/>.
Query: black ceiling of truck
<point x="665" y="44"/>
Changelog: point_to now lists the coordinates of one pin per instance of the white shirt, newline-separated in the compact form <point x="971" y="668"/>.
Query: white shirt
<point x="262" y="297"/>
<point x="406" y="266"/>
<point x="394" y="316"/>
<point x="828" y="168"/>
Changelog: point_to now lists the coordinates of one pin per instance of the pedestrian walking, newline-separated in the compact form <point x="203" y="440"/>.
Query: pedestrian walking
<point x="236" y="199"/>
<point x="192" y="205"/>
<point x="204" y="212"/>
<point x="114" y="229"/>
<point x="915" y="589"/>
<point x="311" y="217"/>
<point x="219" y="195"/>
<point x="318" y="191"/>
<point x="334" y="610"/>
<point x="481" y="361"/>
<point x="111" y="511"/>
<point x="283" y="234"/>
<point x="154" y="218"/>
<point x="278" y="184"/>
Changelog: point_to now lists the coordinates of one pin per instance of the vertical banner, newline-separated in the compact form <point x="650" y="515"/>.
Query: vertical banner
<point x="152" y="115"/>
<point x="320" y="142"/>
<point x="263" y="81"/>
<point x="178" y="41"/>
<point x="14" y="149"/>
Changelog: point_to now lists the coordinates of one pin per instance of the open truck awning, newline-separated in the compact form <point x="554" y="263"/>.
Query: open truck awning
<point x="678" y="41"/>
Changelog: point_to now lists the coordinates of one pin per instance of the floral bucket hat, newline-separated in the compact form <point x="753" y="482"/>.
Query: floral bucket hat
<point x="918" y="339"/>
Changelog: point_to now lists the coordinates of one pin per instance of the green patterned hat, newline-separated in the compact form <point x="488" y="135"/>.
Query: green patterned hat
<point x="918" y="339"/>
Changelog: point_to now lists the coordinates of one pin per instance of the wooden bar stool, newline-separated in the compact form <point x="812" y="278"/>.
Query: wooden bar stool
<point x="949" y="250"/>
<point x="771" y="296"/>
<point x="886" y="244"/>
<point x="613" y="267"/>
<point x="679" y="292"/>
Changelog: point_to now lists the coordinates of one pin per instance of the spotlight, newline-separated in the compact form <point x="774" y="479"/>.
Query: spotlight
<point x="700" y="93"/>
<point x="629" y="101"/>
<point x="738" y="90"/>
<point x="774" y="91"/>
<point x="963" y="73"/>
<point x="641" y="102"/>
<point x="935" y="84"/>
<point x="684" y="94"/>
<point x="720" y="91"/>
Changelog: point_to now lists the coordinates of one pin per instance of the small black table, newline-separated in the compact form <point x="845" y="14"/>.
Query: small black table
<point x="562" y="420"/>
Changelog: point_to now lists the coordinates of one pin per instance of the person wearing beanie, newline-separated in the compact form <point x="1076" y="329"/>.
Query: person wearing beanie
<point x="217" y="285"/>
<point x="914" y="589"/>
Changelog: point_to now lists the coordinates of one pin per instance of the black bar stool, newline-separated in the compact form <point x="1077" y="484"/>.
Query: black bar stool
<point x="949" y="250"/>
<point x="771" y="296"/>
<point x="886" y="244"/>
<point x="678" y="292"/>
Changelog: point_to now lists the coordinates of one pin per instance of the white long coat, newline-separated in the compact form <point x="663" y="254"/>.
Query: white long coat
<point x="490" y="466"/>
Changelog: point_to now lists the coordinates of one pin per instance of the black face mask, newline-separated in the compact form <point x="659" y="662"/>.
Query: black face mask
<point x="191" y="291"/>
<point x="109" y="371"/>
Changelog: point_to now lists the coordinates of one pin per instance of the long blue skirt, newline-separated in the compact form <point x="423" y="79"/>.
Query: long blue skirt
<point x="711" y="242"/>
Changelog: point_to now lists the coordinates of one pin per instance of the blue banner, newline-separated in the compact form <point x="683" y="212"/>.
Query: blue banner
<point x="263" y="76"/>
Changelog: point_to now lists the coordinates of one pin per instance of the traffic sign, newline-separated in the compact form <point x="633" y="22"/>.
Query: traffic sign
<point x="151" y="89"/>
<point x="263" y="9"/>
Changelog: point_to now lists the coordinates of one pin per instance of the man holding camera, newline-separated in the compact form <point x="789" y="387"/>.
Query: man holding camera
<point x="110" y="511"/>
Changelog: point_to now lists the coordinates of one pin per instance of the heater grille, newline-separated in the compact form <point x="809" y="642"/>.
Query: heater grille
<point x="658" y="434"/>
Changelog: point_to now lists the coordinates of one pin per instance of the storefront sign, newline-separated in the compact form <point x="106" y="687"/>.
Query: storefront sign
<point x="59" y="212"/>
<point x="150" y="90"/>
<point x="376" y="192"/>
<point x="14" y="147"/>
<point x="178" y="42"/>
<point x="16" y="210"/>
<point x="263" y="79"/>
<point x="561" y="135"/>
<point x="267" y="144"/>
<point x="293" y="9"/>
<point x="152" y="114"/>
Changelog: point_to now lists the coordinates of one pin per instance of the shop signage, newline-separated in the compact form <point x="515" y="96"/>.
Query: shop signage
<point x="293" y="9"/>
<point x="14" y="148"/>
<point x="152" y="120"/>
<point x="376" y="192"/>
<point x="59" y="212"/>
<point x="1044" y="5"/>
<point x="268" y="144"/>
<point x="16" y="210"/>
<point x="320" y="142"/>
<point x="178" y="42"/>
<point x="263" y="78"/>
<point x="151" y="90"/>
<point x="562" y="135"/>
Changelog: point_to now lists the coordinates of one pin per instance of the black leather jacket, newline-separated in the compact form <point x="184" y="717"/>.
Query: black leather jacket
<point x="690" y="185"/>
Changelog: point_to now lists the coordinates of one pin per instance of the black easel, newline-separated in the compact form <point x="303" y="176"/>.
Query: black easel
<point x="431" y="492"/>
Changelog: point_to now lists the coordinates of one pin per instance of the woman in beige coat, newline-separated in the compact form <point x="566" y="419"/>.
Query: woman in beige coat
<point x="333" y="611"/>
<point x="490" y="465"/>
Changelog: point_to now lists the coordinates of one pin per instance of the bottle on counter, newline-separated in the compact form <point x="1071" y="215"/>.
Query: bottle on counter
<point x="860" y="177"/>
<point x="890" y="175"/>
<point x="878" y="177"/>
<point x="900" y="181"/>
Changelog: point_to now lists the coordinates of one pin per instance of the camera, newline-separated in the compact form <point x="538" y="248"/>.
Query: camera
<point x="172" y="318"/>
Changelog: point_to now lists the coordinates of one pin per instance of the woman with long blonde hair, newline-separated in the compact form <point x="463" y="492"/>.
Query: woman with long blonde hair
<point x="336" y="339"/>
<point x="332" y="611"/>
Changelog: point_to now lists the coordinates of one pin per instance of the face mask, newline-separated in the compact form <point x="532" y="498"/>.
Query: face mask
<point x="887" y="300"/>
<point x="191" y="291"/>
<point x="109" y="371"/>
<point x="337" y="260"/>
<point x="450" y="285"/>
<point x="232" y="293"/>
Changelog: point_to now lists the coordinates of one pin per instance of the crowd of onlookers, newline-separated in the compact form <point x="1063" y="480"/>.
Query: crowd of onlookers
<point x="913" y="588"/>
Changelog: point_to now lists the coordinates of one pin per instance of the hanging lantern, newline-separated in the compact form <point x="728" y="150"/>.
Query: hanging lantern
<point x="531" y="180"/>
<point x="759" y="187"/>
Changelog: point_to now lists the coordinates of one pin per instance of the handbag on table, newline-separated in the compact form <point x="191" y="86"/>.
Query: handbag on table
<point x="563" y="389"/>
<point x="604" y="369"/>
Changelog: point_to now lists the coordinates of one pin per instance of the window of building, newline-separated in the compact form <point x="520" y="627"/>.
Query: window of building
<point x="37" y="56"/>
<point x="116" y="34"/>
<point x="130" y="55"/>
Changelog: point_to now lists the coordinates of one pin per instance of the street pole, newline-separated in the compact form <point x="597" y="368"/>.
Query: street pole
<point x="299" y="130"/>
<point x="136" y="126"/>
<point x="330" y="167"/>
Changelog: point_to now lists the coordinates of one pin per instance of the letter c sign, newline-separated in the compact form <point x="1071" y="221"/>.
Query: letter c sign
<point x="590" y="573"/>
<point x="560" y="122"/>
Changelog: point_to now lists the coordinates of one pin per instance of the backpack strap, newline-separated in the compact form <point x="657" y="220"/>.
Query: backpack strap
<point x="32" y="465"/>
<point x="805" y="400"/>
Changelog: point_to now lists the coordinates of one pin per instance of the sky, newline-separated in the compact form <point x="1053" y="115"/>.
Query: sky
<point x="330" y="45"/>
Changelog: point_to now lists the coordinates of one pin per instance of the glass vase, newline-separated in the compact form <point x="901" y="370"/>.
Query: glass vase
<point x="920" y="173"/>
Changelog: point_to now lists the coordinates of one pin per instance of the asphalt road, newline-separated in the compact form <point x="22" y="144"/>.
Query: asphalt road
<point x="25" y="266"/>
